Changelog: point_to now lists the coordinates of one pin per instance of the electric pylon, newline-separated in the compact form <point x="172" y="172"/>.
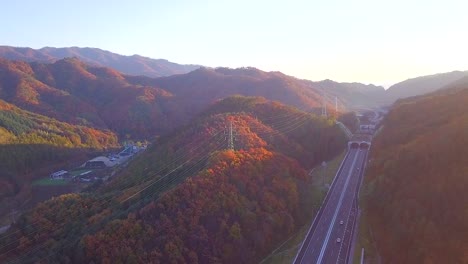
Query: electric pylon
<point x="336" y="105"/>
<point x="324" y="105"/>
<point x="230" y="136"/>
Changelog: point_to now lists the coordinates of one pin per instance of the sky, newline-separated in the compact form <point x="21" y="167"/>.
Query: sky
<point x="369" y="41"/>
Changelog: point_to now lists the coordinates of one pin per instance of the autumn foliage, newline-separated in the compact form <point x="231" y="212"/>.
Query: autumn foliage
<point x="232" y="212"/>
<point x="188" y="199"/>
<point x="137" y="106"/>
<point x="417" y="180"/>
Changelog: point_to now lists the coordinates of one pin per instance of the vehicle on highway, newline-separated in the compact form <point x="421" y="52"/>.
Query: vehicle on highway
<point x="338" y="240"/>
<point x="341" y="222"/>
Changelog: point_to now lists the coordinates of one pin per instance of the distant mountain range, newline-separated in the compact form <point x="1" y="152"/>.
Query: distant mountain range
<point x="138" y="106"/>
<point x="422" y="85"/>
<point x="132" y="65"/>
<point x="48" y="84"/>
<point x="304" y="94"/>
<point x="205" y="85"/>
<point x="350" y="95"/>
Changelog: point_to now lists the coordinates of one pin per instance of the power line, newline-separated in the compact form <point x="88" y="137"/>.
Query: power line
<point x="230" y="137"/>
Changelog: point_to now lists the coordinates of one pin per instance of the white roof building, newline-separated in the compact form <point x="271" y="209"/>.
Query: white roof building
<point x="100" y="161"/>
<point x="59" y="174"/>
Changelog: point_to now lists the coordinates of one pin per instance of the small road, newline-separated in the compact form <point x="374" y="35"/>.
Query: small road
<point x="336" y="218"/>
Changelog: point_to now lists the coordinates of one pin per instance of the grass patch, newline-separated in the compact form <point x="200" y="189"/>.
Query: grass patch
<point x="322" y="177"/>
<point x="74" y="173"/>
<point x="326" y="174"/>
<point x="365" y="238"/>
<point x="287" y="252"/>
<point x="50" y="182"/>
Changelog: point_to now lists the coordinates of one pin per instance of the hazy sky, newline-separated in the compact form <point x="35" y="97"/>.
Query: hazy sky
<point x="369" y="41"/>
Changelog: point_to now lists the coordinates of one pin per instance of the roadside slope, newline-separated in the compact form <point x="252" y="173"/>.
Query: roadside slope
<point x="415" y="187"/>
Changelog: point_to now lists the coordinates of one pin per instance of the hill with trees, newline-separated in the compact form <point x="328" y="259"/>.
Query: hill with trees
<point x="73" y="92"/>
<point x="415" y="188"/>
<point x="188" y="197"/>
<point x="351" y="95"/>
<point x="304" y="94"/>
<point x="132" y="65"/>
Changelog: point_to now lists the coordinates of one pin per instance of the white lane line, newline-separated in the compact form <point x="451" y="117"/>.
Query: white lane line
<point x="346" y="230"/>
<point x="333" y="184"/>
<point x="325" y="243"/>
<point x="341" y="246"/>
<point x="347" y="221"/>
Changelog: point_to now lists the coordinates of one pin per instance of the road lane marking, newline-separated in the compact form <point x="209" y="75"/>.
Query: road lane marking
<point x="327" y="238"/>
<point x="331" y="188"/>
<point x="335" y="185"/>
<point x="346" y="229"/>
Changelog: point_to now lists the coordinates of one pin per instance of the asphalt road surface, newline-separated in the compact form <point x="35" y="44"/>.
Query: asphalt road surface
<point x="336" y="219"/>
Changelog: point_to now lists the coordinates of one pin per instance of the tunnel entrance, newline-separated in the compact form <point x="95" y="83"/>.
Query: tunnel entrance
<point x="364" y="145"/>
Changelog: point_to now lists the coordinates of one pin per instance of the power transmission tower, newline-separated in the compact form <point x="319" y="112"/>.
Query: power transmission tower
<point x="324" y="167"/>
<point x="336" y="105"/>
<point x="324" y="104"/>
<point x="230" y="137"/>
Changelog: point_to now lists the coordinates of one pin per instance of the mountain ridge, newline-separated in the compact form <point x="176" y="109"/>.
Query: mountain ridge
<point x="351" y="95"/>
<point x="422" y="85"/>
<point x="132" y="65"/>
<point x="99" y="57"/>
<point x="139" y="106"/>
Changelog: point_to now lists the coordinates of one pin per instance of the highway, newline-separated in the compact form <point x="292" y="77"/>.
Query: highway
<point x="337" y="216"/>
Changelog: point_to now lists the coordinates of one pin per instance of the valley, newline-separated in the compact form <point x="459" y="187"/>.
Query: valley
<point x="226" y="168"/>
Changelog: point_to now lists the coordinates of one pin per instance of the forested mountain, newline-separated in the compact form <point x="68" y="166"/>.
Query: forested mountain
<point x="74" y="92"/>
<point x="188" y="198"/>
<point x="137" y="106"/>
<point x="206" y="85"/>
<point x="132" y="65"/>
<point x="416" y="185"/>
<point x="304" y="94"/>
<point x="422" y="85"/>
